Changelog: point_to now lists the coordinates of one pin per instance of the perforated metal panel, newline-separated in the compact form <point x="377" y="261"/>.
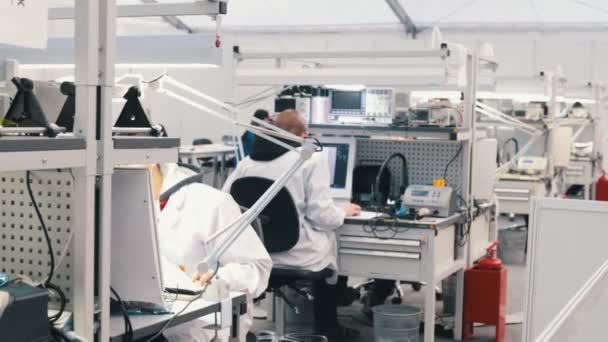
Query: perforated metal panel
<point x="426" y="160"/>
<point x="23" y="248"/>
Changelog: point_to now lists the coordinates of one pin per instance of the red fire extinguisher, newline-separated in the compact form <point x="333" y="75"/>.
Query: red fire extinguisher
<point x="601" y="188"/>
<point x="490" y="261"/>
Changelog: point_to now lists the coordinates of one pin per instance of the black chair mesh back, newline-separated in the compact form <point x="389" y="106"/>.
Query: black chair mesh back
<point x="280" y="220"/>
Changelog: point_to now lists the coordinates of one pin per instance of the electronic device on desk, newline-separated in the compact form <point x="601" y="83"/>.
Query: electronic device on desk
<point x="379" y="105"/>
<point x="347" y="102"/>
<point x="438" y="201"/>
<point x="536" y="111"/>
<point x="140" y="277"/>
<point x="402" y="108"/>
<point x="341" y="157"/>
<point x="531" y="165"/>
<point x="578" y="111"/>
<point x="371" y="105"/>
<point x="136" y="267"/>
<point x="582" y="149"/>
<point x="23" y="313"/>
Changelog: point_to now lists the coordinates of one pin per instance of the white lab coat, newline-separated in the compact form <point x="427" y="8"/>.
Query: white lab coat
<point x="193" y="214"/>
<point x="319" y="216"/>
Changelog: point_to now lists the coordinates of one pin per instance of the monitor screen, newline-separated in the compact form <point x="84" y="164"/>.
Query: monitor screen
<point x="346" y="100"/>
<point x="338" y="164"/>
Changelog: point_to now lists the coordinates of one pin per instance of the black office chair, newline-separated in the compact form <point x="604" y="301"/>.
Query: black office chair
<point x="281" y="231"/>
<point x="204" y="162"/>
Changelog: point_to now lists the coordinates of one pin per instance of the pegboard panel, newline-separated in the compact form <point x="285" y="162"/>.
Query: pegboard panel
<point x="23" y="248"/>
<point x="425" y="160"/>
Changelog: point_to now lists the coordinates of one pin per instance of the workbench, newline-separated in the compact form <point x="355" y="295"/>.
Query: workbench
<point x="580" y="171"/>
<point x="513" y="192"/>
<point x="418" y="251"/>
<point x="147" y="325"/>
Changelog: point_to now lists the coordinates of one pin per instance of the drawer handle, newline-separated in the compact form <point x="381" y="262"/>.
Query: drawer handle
<point x="512" y="191"/>
<point x="381" y="254"/>
<point x="390" y="242"/>
<point x="515" y="199"/>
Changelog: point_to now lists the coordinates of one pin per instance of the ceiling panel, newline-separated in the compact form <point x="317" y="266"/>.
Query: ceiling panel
<point x="335" y="13"/>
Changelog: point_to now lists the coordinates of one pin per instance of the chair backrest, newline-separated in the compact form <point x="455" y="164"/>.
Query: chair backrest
<point x="280" y="220"/>
<point x="202" y="141"/>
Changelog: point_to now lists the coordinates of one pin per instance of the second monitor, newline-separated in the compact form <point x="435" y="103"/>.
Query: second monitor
<point x="341" y="156"/>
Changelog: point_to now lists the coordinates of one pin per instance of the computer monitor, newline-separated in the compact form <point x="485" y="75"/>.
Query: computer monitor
<point x="139" y="272"/>
<point x="341" y="156"/>
<point x="348" y="102"/>
<point x="136" y="268"/>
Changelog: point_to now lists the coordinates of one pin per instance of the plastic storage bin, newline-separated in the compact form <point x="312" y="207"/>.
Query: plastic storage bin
<point x="396" y="323"/>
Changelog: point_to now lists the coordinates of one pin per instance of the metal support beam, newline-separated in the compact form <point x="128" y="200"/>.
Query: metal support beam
<point x="443" y="53"/>
<point x="210" y="8"/>
<point x="171" y="19"/>
<point x="403" y="17"/>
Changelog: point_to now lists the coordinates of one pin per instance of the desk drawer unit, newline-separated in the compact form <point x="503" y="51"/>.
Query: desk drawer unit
<point x="399" y="255"/>
<point x="514" y="196"/>
<point x="579" y="173"/>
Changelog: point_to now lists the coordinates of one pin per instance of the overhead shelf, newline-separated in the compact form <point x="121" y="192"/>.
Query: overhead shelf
<point x="145" y="150"/>
<point x="421" y="132"/>
<point x="40" y="153"/>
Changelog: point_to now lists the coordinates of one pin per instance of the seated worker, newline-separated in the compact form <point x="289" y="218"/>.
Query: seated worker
<point x="319" y="216"/>
<point x="186" y="220"/>
<point x="247" y="138"/>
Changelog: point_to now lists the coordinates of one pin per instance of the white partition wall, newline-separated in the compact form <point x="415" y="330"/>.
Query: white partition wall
<point x="567" y="296"/>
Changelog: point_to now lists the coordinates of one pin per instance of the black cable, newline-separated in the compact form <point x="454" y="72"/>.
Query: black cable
<point x="42" y="224"/>
<point x="465" y="231"/>
<point x="155" y="79"/>
<point x="128" y="336"/>
<point x="515" y="142"/>
<point x="62" y="302"/>
<point x="405" y="176"/>
<point x="447" y="167"/>
<point x="47" y="283"/>
<point x="58" y="335"/>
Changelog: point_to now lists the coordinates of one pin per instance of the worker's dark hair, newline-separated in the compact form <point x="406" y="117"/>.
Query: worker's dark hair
<point x="261" y="114"/>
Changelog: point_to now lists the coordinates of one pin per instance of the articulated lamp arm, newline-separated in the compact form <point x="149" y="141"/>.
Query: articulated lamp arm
<point x="236" y="228"/>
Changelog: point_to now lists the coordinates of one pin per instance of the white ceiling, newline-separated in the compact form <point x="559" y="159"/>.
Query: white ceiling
<point x="336" y="13"/>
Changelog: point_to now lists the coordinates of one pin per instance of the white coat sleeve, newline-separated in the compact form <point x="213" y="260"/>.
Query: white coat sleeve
<point x="246" y="265"/>
<point x="320" y="207"/>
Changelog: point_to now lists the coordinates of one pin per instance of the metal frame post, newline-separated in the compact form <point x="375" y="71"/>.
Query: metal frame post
<point x="86" y="37"/>
<point x="8" y="70"/>
<point x="105" y="167"/>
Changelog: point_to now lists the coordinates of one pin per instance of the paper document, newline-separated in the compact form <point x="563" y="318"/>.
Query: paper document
<point x="368" y="215"/>
<point x="175" y="278"/>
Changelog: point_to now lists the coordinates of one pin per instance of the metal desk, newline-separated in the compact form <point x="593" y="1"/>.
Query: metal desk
<point x="513" y="192"/>
<point x="421" y="251"/>
<point x="146" y="325"/>
<point x="218" y="152"/>
<point x="580" y="171"/>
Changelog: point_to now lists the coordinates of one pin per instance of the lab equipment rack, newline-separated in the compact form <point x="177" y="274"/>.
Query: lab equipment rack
<point x="90" y="154"/>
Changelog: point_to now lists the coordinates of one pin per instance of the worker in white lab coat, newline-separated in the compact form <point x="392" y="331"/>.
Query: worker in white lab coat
<point x="316" y="248"/>
<point x="186" y="220"/>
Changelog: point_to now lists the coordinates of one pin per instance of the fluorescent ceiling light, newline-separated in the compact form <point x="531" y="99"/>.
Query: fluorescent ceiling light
<point x="123" y="66"/>
<point x="183" y="51"/>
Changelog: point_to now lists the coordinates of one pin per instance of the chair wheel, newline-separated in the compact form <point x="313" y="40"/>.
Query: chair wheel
<point x="417" y="287"/>
<point x="396" y="300"/>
